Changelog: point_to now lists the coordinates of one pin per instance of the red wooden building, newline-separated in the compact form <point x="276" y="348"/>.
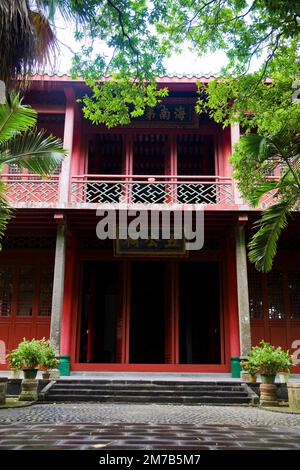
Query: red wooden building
<point x="114" y="309"/>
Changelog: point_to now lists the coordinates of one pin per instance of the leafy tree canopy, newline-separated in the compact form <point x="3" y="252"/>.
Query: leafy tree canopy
<point x="141" y="34"/>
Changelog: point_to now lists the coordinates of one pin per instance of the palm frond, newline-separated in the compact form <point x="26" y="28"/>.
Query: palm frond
<point x="5" y="211"/>
<point x="260" y="190"/>
<point x="34" y="151"/>
<point x="46" y="45"/>
<point x="252" y="145"/>
<point x="70" y="10"/>
<point x="15" y="117"/>
<point x="263" y="245"/>
<point x="17" y="39"/>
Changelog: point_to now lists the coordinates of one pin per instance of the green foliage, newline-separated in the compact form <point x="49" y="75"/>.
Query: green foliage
<point x="263" y="245"/>
<point x="129" y="71"/>
<point x="255" y="102"/>
<point x="15" y="117"/>
<point x="34" y="151"/>
<point x="30" y="353"/>
<point x="250" y="365"/>
<point x="48" y="359"/>
<point x="117" y="102"/>
<point x="14" y="360"/>
<point x="254" y="157"/>
<point x="269" y="359"/>
<point x="33" y="354"/>
<point x="23" y="145"/>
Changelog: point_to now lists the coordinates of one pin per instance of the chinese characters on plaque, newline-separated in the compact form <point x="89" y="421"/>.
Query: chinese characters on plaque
<point x="150" y="246"/>
<point x="169" y="113"/>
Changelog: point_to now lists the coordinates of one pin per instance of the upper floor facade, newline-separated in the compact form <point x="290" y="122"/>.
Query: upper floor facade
<point x="169" y="157"/>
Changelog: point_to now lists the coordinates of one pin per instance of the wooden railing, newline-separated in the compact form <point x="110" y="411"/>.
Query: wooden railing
<point x="151" y="189"/>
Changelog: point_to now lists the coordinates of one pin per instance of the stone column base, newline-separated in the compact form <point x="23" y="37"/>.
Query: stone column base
<point x="3" y="385"/>
<point x="294" y="395"/>
<point x="268" y="395"/>
<point x="29" y="389"/>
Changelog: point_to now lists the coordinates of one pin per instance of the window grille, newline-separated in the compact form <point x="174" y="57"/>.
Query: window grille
<point x="26" y="290"/>
<point x="275" y="294"/>
<point x="255" y="294"/>
<point x="294" y="294"/>
<point x="6" y="289"/>
<point x="46" y="287"/>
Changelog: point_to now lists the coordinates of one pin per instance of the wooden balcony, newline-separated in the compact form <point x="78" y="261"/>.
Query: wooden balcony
<point x="93" y="191"/>
<point x="97" y="190"/>
<point x="28" y="190"/>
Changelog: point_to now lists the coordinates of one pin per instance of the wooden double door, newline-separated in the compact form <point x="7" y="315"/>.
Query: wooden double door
<point x="150" y="312"/>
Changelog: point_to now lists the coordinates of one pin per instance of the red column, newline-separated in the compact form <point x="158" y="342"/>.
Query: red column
<point x="231" y="290"/>
<point x="69" y="296"/>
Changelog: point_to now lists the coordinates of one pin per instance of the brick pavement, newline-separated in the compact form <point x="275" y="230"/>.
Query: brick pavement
<point x="146" y="427"/>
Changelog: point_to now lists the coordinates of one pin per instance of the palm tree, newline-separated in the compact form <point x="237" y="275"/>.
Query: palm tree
<point x="281" y="149"/>
<point x="27" y="32"/>
<point x="23" y="145"/>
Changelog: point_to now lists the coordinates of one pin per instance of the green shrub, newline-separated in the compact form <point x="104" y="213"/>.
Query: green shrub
<point x="14" y="360"/>
<point x="270" y="359"/>
<point x="30" y="353"/>
<point x="48" y="360"/>
<point x="250" y="366"/>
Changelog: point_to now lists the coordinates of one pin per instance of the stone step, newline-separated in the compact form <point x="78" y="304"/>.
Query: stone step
<point x="139" y="387"/>
<point x="148" y="399"/>
<point x="150" y="393"/>
<point x="169" y="383"/>
<point x="146" y="391"/>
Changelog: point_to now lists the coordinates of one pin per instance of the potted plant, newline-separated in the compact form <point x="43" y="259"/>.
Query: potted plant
<point x="268" y="359"/>
<point x="30" y="353"/>
<point x="285" y="366"/>
<point x="251" y="367"/>
<point x="244" y="372"/>
<point x="14" y="363"/>
<point x="48" y="359"/>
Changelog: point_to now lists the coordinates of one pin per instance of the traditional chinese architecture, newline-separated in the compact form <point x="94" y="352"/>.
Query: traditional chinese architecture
<point x="130" y="305"/>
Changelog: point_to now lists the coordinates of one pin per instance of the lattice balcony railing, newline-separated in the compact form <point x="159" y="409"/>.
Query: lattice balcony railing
<point x="26" y="190"/>
<point x="112" y="189"/>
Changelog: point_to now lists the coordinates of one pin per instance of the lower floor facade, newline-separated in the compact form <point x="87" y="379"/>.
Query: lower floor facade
<point x="145" y="311"/>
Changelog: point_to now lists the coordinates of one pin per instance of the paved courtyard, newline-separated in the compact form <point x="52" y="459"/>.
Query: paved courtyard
<point x="129" y="426"/>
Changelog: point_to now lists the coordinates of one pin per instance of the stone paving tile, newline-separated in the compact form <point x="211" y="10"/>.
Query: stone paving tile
<point x="153" y="413"/>
<point x="146" y="427"/>
<point x="170" y="439"/>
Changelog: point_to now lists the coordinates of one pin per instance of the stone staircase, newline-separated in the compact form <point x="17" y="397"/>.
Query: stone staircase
<point x="134" y="391"/>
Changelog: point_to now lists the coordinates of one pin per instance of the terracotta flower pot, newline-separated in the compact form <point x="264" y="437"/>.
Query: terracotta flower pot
<point x="252" y="378"/>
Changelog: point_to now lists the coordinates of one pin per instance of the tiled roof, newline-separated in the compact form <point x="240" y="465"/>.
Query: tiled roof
<point x="186" y="78"/>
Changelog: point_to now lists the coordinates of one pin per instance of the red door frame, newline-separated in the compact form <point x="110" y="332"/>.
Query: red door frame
<point x="175" y="366"/>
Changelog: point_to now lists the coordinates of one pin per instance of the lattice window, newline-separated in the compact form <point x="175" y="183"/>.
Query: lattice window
<point x="26" y="291"/>
<point x="46" y="287"/>
<point x="39" y="243"/>
<point x="6" y="289"/>
<point x="275" y="294"/>
<point x="255" y="294"/>
<point x="294" y="294"/>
